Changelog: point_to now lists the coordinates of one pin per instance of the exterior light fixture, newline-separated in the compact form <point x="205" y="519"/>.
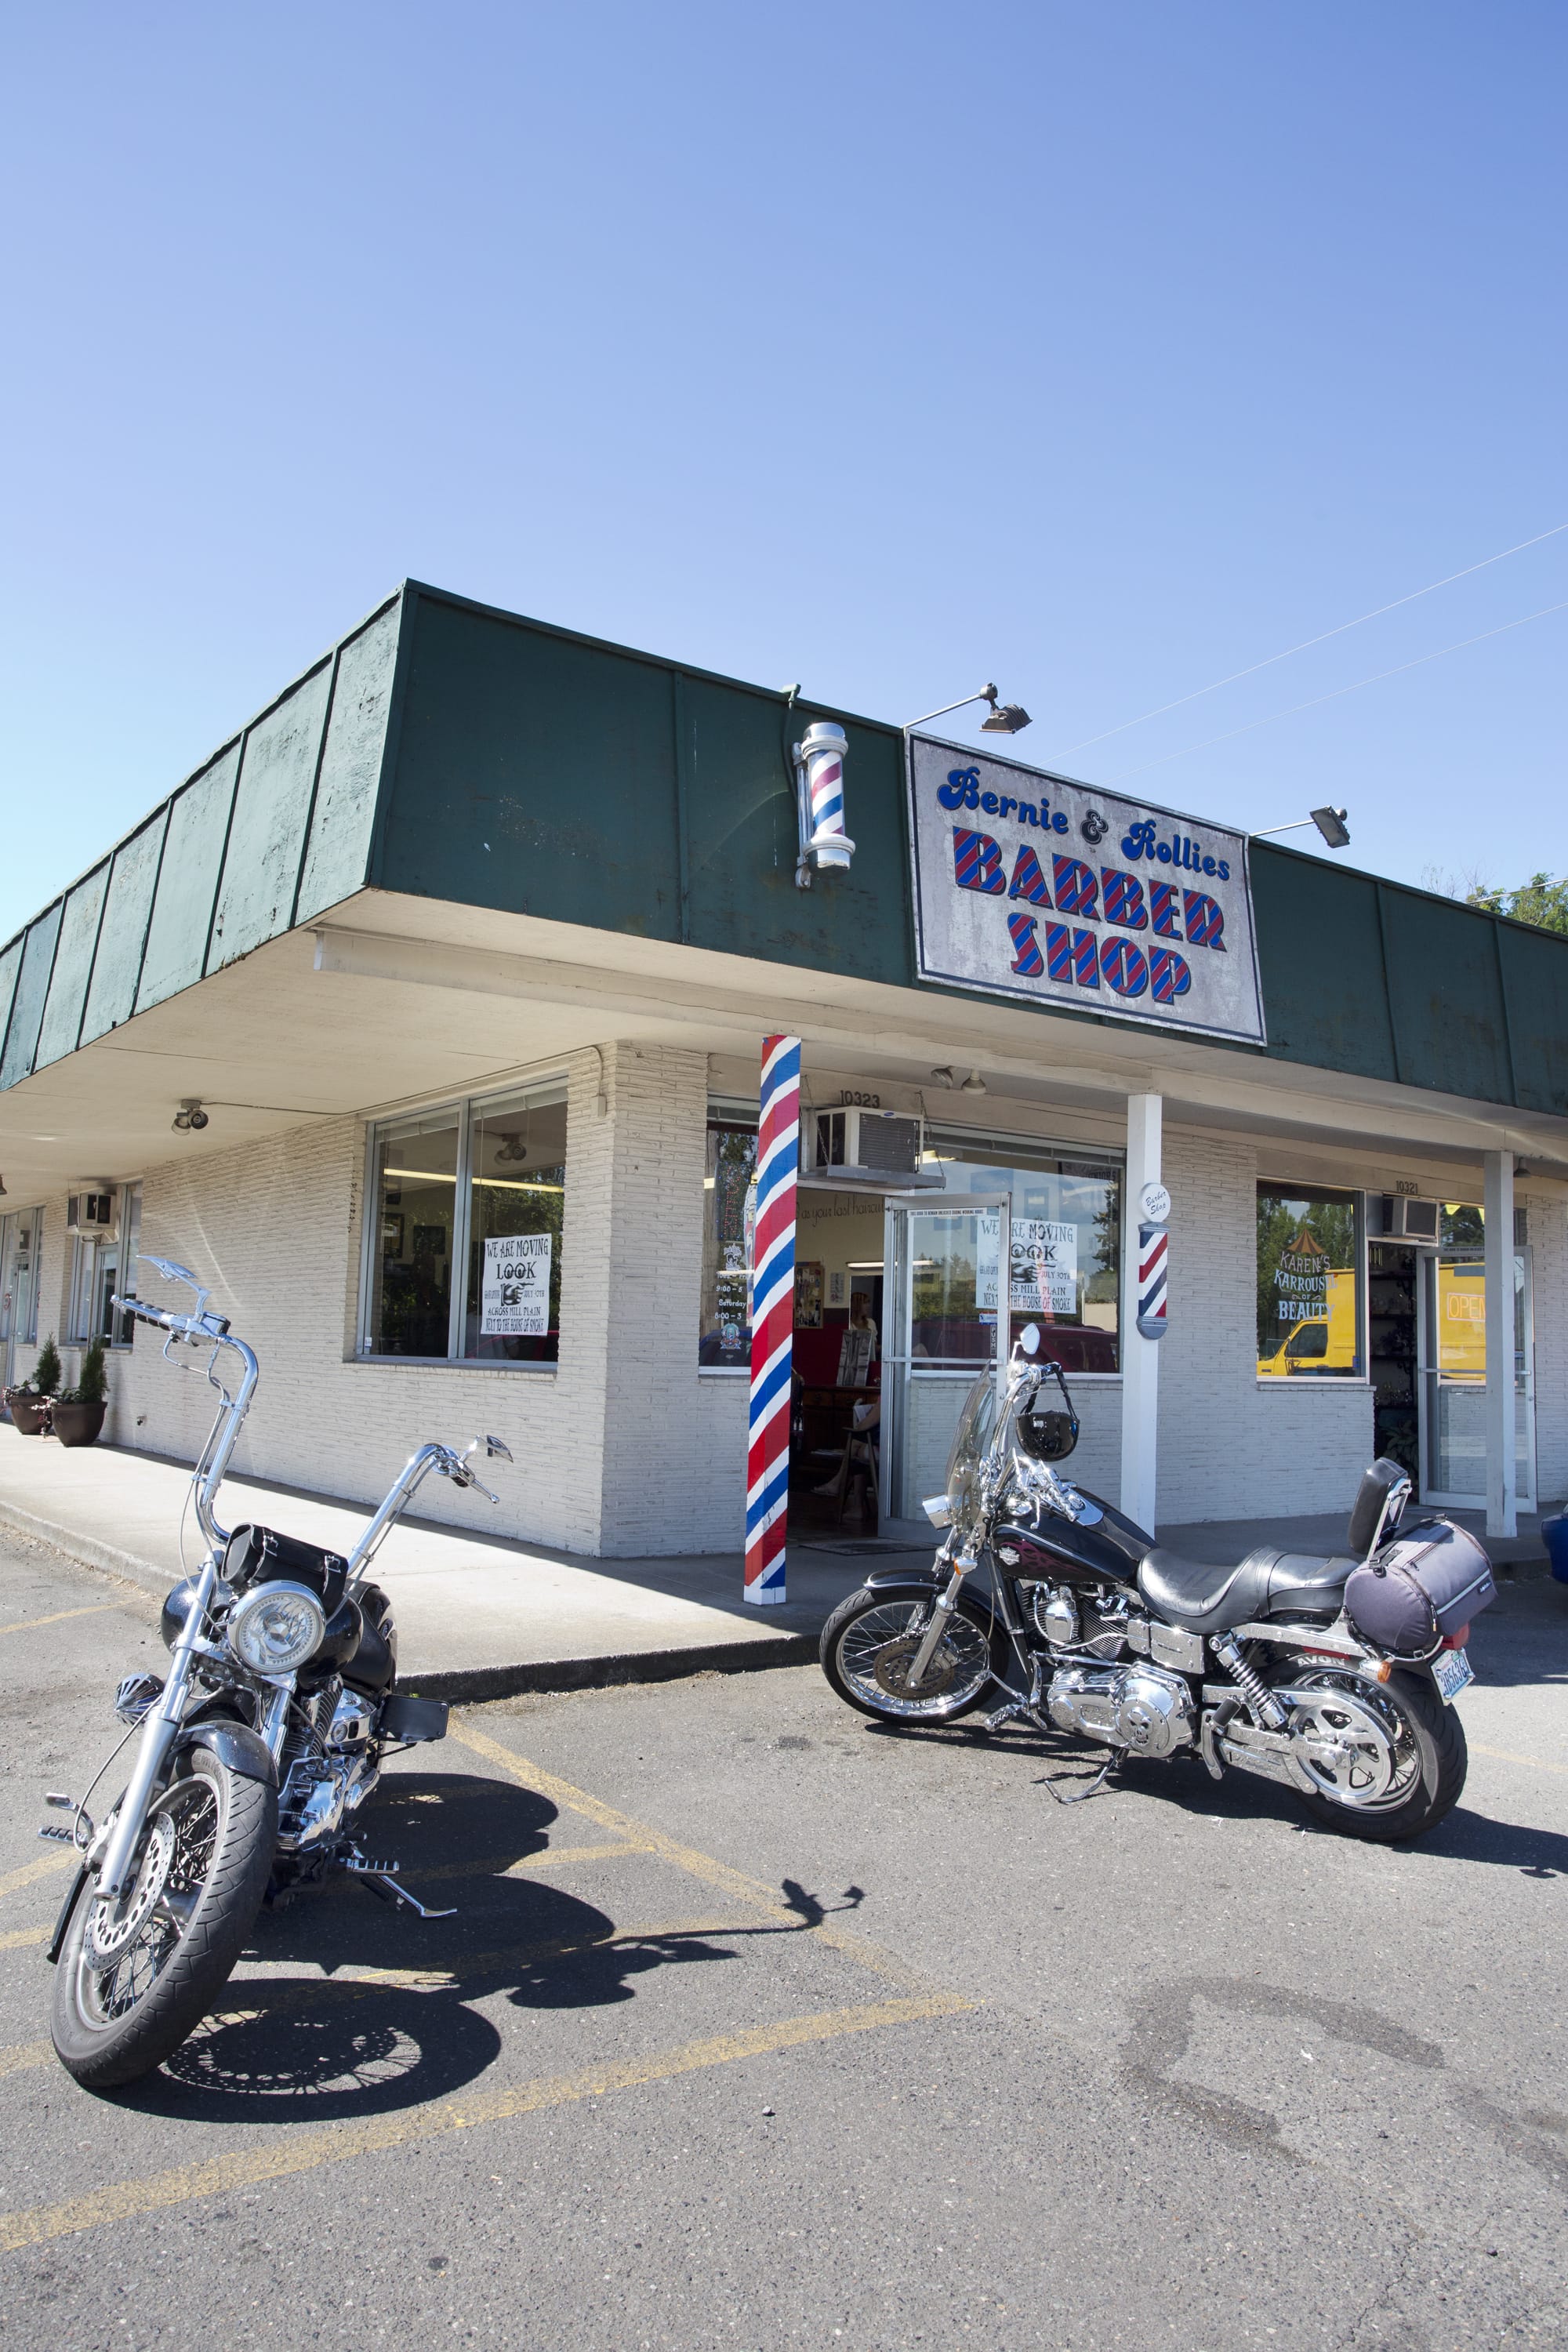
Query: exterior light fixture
<point x="945" y="1075"/>
<point x="974" y="1083"/>
<point x="190" y="1116"/>
<point x="819" y="800"/>
<point x="2" y="1188"/>
<point x="1005" y="718"/>
<point x="1329" y="822"/>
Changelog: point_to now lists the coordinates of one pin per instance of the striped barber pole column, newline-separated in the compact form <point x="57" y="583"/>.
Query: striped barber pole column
<point x="1154" y="1244"/>
<point x="772" y="1321"/>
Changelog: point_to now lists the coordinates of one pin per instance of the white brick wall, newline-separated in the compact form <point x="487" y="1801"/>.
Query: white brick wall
<point x="627" y="1450"/>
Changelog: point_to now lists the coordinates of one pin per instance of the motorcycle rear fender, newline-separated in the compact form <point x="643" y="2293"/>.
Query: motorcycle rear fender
<point x="243" y="1751"/>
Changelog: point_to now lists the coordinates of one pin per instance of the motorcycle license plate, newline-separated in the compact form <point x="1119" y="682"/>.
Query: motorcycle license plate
<point x="1451" y="1671"/>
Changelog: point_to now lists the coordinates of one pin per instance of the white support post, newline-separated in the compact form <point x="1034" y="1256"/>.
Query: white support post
<point x="1140" y="1357"/>
<point x="1502" y="1518"/>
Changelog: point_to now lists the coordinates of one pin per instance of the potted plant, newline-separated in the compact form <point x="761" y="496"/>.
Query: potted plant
<point x="30" y="1404"/>
<point x="78" y="1413"/>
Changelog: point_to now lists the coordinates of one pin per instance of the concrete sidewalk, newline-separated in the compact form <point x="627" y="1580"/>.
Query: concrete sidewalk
<point x="482" y="1616"/>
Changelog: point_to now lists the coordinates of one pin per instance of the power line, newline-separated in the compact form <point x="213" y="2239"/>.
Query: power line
<point x="1307" y="643"/>
<point x="1396" y="671"/>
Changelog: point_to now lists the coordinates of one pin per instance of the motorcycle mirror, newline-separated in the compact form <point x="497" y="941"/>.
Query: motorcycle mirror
<point x="1029" y="1339"/>
<point x="168" y="1269"/>
<point x="493" y="1446"/>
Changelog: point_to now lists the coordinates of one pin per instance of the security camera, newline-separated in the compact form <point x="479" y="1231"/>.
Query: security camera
<point x="189" y="1115"/>
<point x="198" y="1117"/>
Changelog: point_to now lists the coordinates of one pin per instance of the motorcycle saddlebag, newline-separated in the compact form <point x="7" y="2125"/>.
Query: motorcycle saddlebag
<point x="1429" y="1582"/>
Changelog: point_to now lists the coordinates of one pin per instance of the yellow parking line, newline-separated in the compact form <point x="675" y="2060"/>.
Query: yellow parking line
<point x="736" y="1884"/>
<point x="25" y="1624"/>
<point x="20" y="1935"/>
<point x="45" y="1867"/>
<point x="1502" y="1756"/>
<point x="556" y="1857"/>
<point x="219" y="2176"/>
<point x="22" y="2055"/>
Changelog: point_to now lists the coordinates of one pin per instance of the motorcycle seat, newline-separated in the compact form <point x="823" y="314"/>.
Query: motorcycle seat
<point x="1268" y="1583"/>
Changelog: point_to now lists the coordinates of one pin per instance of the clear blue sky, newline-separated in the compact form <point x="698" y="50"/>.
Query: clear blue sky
<point x="1103" y="351"/>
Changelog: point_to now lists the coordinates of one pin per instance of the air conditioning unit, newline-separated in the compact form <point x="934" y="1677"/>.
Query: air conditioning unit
<point x="94" y="1215"/>
<point x="1402" y="1219"/>
<point x="870" y="1146"/>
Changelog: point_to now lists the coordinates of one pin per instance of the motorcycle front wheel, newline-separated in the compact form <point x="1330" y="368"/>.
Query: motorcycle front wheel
<point x="868" y="1645"/>
<point x="135" y="1976"/>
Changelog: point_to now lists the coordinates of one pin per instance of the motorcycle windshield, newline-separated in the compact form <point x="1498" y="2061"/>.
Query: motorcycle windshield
<point x="975" y="1427"/>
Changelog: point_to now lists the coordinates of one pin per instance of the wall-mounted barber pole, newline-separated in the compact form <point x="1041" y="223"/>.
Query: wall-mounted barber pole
<point x="772" y="1321"/>
<point x="819" y="798"/>
<point x="1154" y="1244"/>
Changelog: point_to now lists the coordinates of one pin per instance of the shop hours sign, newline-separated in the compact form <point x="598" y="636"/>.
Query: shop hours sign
<point x="1030" y="887"/>
<point x="514" y="1296"/>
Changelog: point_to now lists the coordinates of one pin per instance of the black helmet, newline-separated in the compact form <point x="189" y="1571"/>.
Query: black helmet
<point x="1048" y="1431"/>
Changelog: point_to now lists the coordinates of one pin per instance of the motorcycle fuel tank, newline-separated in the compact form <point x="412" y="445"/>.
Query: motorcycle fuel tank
<point x="1047" y="1545"/>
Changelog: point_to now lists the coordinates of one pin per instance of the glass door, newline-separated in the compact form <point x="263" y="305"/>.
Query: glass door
<point x="1453" y="1380"/>
<point x="18" y="1277"/>
<point x="945" y="1306"/>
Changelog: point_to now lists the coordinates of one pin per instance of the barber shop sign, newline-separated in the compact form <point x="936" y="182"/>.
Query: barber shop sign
<point x="1031" y="886"/>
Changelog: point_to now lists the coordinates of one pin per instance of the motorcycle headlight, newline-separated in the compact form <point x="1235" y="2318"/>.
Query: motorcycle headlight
<point x="274" y="1628"/>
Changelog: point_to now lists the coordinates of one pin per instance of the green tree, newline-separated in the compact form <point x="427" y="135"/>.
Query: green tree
<point x="92" y="1383"/>
<point x="1540" y="901"/>
<point x="46" y="1376"/>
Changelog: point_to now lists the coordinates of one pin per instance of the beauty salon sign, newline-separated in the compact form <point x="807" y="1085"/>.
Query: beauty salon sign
<point x="1030" y="887"/>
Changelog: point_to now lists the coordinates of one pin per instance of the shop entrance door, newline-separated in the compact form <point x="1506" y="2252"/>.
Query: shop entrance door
<point x="1453" y="1379"/>
<point x="945" y="1300"/>
<point x="17" y="1276"/>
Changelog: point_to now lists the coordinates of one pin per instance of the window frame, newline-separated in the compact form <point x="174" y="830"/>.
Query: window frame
<point x="735" y="1112"/>
<point x="464" y="1109"/>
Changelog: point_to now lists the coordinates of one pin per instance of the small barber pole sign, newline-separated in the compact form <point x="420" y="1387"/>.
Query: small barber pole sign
<point x="1153" y="1243"/>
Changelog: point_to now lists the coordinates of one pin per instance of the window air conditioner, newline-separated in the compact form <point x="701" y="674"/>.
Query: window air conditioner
<point x="1406" y="1220"/>
<point x="95" y="1216"/>
<point x="873" y="1145"/>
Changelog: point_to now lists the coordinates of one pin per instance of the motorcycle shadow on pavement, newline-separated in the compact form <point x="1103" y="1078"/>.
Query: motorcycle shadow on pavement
<point x="388" y="2022"/>
<point x="1464" y="1836"/>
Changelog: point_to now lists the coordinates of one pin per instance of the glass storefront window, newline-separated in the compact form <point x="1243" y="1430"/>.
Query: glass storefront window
<point x="476" y="1186"/>
<point x="1309" y="1284"/>
<point x="729" y="1208"/>
<point x="518" y="1189"/>
<point x="1067" y="1247"/>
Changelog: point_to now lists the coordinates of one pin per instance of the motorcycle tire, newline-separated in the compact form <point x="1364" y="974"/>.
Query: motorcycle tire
<point x="131" y="1984"/>
<point x="1438" y="1762"/>
<point x="877" y="1625"/>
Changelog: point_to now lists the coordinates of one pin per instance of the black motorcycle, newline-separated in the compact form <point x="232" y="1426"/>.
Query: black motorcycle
<point x="258" y="1752"/>
<point x="1084" y="1624"/>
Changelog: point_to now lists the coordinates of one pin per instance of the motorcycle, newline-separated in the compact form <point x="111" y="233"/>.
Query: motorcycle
<point x="258" y="1750"/>
<point x="1293" y="1667"/>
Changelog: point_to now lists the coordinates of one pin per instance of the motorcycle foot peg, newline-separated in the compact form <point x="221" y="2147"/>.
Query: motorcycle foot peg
<point x="57" y="1798"/>
<point x="60" y="1837"/>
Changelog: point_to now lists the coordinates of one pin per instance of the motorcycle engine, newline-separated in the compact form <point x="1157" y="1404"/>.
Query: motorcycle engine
<point x="1079" y="1617"/>
<point x="1139" y="1707"/>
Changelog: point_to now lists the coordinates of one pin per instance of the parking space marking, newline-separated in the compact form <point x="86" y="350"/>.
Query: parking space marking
<point x="556" y="1857"/>
<point x="20" y="1935"/>
<point x="124" y="2201"/>
<point x="23" y="2054"/>
<point x="1502" y="1756"/>
<point x="737" y="1884"/>
<point x="27" y="1624"/>
<point x="45" y="1867"/>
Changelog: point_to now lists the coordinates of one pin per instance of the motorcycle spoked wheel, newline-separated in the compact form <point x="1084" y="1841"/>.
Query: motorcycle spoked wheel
<point x="134" y="1978"/>
<point x="869" y="1643"/>
<point x="1423" y="1756"/>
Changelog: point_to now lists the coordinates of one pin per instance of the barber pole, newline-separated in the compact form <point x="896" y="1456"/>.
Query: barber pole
<point x="772" y="1321"/>
<point x="819" y="792"/>
<point x="1153" y="1243"/>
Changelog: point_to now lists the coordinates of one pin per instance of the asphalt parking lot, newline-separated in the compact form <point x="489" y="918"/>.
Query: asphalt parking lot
<point x="759" y="2025"/>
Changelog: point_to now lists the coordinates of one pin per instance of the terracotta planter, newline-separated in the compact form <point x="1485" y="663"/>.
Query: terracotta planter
<point x="30" y="1414"/>
<point x="78" y="1424"/>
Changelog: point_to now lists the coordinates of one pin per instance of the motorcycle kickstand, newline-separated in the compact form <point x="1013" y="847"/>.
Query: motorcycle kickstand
<point x="1081" y="1796"/>
<point x="379" y="1879"/>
